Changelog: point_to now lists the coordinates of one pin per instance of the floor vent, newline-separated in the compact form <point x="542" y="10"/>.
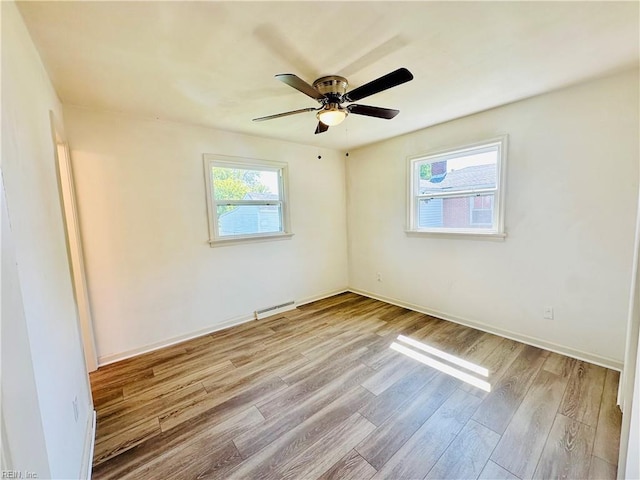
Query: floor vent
<point x="267" y="312"/>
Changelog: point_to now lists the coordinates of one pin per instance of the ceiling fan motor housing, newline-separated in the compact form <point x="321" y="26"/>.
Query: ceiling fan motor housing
<point x="332" y="86"/>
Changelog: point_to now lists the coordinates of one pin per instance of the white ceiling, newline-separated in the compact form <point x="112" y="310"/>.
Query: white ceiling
<point x="213" y="63"/>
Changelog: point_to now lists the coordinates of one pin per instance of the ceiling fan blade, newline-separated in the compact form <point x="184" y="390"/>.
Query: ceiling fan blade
<point x="285" y="114"/>
<point x="385" y="82"/>
<point x="300" y="85"/>
<point x="378" y="112"/>
<point x="321" y="128"/>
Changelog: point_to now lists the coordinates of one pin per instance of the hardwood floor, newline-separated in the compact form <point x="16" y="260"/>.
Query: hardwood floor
<point x="339" y="389"/>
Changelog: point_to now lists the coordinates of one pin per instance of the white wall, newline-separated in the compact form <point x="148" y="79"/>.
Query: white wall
<point x="572" y="182"/>
<point x="152" y="275"/>
<point x="46" y="370"/>
<point x="26" y="448"/>
<point x="629" y="459"/>
<point x="629" y="386"/>
<point x="631" y="469"/>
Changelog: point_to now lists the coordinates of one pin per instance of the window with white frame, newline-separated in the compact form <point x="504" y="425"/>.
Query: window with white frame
<point x="460" y="190"/>
<point x="246" y="199"/>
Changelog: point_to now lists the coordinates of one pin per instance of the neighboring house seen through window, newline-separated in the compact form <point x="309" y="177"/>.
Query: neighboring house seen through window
<point x="246" y="199"/>
<point x="458" y="190"/>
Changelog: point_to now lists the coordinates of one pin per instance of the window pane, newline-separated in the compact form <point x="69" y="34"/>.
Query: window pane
<point x="430" y="213"/>
<point x="482" y="211"/>
<point x="456" y="212"/>
<point x="249" y="219"/>
<point x="468" y="171"/>
<point x="241" y="184"/>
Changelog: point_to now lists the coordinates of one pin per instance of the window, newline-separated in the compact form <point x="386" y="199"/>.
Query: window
<point x="481" y="208"/>
<point x="459" y="190"/>
<point x="246" y="199"/>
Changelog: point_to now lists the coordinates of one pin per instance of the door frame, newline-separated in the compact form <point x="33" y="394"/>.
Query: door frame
<point x="73" y="239"/>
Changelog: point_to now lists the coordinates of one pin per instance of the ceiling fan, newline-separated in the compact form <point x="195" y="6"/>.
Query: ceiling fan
<point x="331" y="93"/>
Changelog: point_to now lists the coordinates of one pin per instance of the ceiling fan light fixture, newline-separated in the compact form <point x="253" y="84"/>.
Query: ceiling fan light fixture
<point x="332" y="115"/>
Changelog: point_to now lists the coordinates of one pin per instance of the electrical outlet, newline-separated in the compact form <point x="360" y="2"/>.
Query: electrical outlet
<point x="548" y="313"/>
<point x="75" y="408"/>
<point x="379" y="276"/>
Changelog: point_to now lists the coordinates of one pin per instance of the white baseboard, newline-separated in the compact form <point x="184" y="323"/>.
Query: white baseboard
<point x="116" y="357"/>
<point x="321" y="296"/>
<point x="249" y="317"/>
<point x="533" y="341"/>
<point x="89" y="444"/>
<point x="536" y="342"/>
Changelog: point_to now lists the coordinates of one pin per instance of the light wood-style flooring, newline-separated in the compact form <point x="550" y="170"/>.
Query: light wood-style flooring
<point x="352" y="388"/>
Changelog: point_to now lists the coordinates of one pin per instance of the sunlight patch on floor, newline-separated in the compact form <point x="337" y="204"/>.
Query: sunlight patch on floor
<point x="443" y="367"/>
<point x="445" y="356"/>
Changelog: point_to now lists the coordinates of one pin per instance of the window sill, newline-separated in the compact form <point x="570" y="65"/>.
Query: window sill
<point x="493" y="236"/>
<point x="222" y="242"/>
